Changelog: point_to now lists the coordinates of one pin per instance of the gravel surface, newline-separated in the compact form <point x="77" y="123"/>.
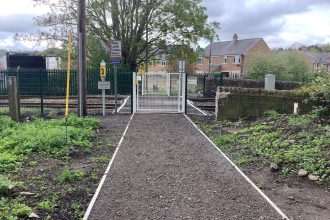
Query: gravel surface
<point x="166" y="169"/>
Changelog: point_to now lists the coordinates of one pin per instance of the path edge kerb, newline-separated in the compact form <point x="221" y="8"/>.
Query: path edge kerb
<point x="241" y="172"/>
<point x="91" y="204"/>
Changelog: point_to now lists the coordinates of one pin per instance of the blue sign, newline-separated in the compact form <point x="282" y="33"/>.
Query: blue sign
<point x="115" y="61"/>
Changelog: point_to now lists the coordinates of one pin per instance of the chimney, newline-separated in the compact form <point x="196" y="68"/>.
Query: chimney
<point x="235" y="38"/>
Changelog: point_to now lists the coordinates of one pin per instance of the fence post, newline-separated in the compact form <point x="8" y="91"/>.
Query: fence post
<point x="41" y="93"/>
<point x="204" y="85"/>
<point x="13" y="98"/>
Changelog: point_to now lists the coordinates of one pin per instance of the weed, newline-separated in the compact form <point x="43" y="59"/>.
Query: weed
<point x="47" y="205"/>
<point x="272" y="113"/>
<point x="67" y="175"/>
<point x="77" y="210"/>
<point x="19" y="140"/>
<point x="260" y="184"/>
<point x="21" y="210"/>
<point x="300" y="120"/>
<point x="243" y="160"/>
<point x="102" y="159"/>
<point x="6" y="185"/>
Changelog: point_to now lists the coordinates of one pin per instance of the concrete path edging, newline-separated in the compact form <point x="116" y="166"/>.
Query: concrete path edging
<point x="91" y="204"/>
<point x="241" y="172"/>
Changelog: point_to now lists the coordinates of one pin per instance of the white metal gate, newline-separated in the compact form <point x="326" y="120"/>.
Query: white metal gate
<point x="159" y="92"/>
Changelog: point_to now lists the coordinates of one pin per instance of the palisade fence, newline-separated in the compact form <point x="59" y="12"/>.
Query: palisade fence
<point x="41" y="82"/>
<point x="44" y="91"/>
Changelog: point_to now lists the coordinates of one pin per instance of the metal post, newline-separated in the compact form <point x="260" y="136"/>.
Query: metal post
<point x="13" y="98"/>
<point x="82" y="100"/>
<point x="41" y="93"/>
<point x="116" y="84"/>
<point x="179" y="101"/>
<point x="183" y="81"/>
<point x="134" y="93"/>
<point x="103" y="102"/>
<point x="204" y="85"/>
<point x="186" y="94"/>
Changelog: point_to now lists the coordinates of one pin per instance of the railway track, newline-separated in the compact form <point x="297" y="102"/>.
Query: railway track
<point x="62" y="105"/>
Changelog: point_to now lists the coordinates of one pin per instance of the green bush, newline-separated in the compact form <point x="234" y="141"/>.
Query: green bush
<point x="318" y="93"/>
<point x="287" y="66"/>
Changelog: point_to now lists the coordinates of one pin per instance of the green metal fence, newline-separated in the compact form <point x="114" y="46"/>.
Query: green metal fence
<point x="36" y="82"/>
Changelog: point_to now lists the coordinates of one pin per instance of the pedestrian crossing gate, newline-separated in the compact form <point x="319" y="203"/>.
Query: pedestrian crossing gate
<point x="159" y="92"/>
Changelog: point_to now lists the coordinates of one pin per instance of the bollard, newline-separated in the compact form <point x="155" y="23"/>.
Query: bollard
<point x="13" y="98"/>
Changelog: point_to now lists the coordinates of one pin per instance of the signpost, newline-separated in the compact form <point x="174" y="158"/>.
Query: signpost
<point x="115" y="55"/>
<point x="103" y="84"/>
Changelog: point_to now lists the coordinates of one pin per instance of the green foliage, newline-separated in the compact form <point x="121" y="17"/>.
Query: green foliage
<point x="293" y="143"/>
<point x="47" y="205"/>
<point x="176" y="22"/>
<point x="21" y="210"/>
<point x="287" y="66"/>
<point x="300" y="120"/>
<point x="6" y="185"/>
<point x="18" y="141"/>
<point x="67" y="175"/>
<point x="318" y="93"/>
<point x="272" y="113"/>
<point x="13" y="209"/>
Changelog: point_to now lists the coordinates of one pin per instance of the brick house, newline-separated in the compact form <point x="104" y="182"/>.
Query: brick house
<point x="228" y="56"/>
<point x="318" y="61"/>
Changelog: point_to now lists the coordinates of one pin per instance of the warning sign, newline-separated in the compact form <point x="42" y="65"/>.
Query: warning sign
<point x="115" y="49"/>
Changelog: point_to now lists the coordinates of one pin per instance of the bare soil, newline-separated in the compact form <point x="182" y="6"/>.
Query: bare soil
<point x="299" y="198"/>
<point x="40" y="174"/>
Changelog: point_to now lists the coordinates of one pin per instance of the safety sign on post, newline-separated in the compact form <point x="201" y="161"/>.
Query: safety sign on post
<point x="103" y="84"/>
<point x="115" y="58"/>
<point x="103" y="70"/>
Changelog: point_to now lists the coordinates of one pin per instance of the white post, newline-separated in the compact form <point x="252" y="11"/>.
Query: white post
<point x="143" y="84"/>
<point x="134" y="92"/>
<point x="168" y="84"/>
<point x="183" y="92"/>
<point x="179" y="90"/>
<point x="103" y="102"/>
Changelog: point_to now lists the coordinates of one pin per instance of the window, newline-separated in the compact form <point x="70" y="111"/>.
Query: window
<point x="200" y="60"/>
<point x="224" y="59"/>
<point x="163" y="62"/>
<point x="237" y="59"/>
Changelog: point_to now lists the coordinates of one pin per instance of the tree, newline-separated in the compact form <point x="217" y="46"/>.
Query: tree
<point x="286" y="65"/>
<point x="143" y="26"/>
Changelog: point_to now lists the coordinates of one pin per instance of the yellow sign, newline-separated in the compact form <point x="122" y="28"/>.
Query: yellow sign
<point x="142" y="70"/>
<point x="103" y="70"/>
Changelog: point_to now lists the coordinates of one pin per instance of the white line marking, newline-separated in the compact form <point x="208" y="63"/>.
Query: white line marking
<point x="200" y="110"/>
<point x="238" y="169"/>
<point x="91" y="204"/>
<point x="122" y="105"/>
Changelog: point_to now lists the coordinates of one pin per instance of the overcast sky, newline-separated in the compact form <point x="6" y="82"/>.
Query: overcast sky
<point x="280" y="22"/>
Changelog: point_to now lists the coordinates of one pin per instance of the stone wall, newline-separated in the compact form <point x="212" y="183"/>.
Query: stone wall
<point x="212" y="83"/>
<point x="234" y="103"/>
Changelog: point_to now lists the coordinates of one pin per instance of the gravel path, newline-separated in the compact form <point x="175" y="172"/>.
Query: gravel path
<point x="166" y="169"/>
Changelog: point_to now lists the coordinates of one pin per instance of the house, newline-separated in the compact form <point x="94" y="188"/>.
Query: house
<point x="318" y="61"/>
<point x="228" y="57"/>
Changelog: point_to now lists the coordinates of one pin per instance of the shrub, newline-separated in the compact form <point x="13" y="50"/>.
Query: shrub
<point x="318" y="93"/>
